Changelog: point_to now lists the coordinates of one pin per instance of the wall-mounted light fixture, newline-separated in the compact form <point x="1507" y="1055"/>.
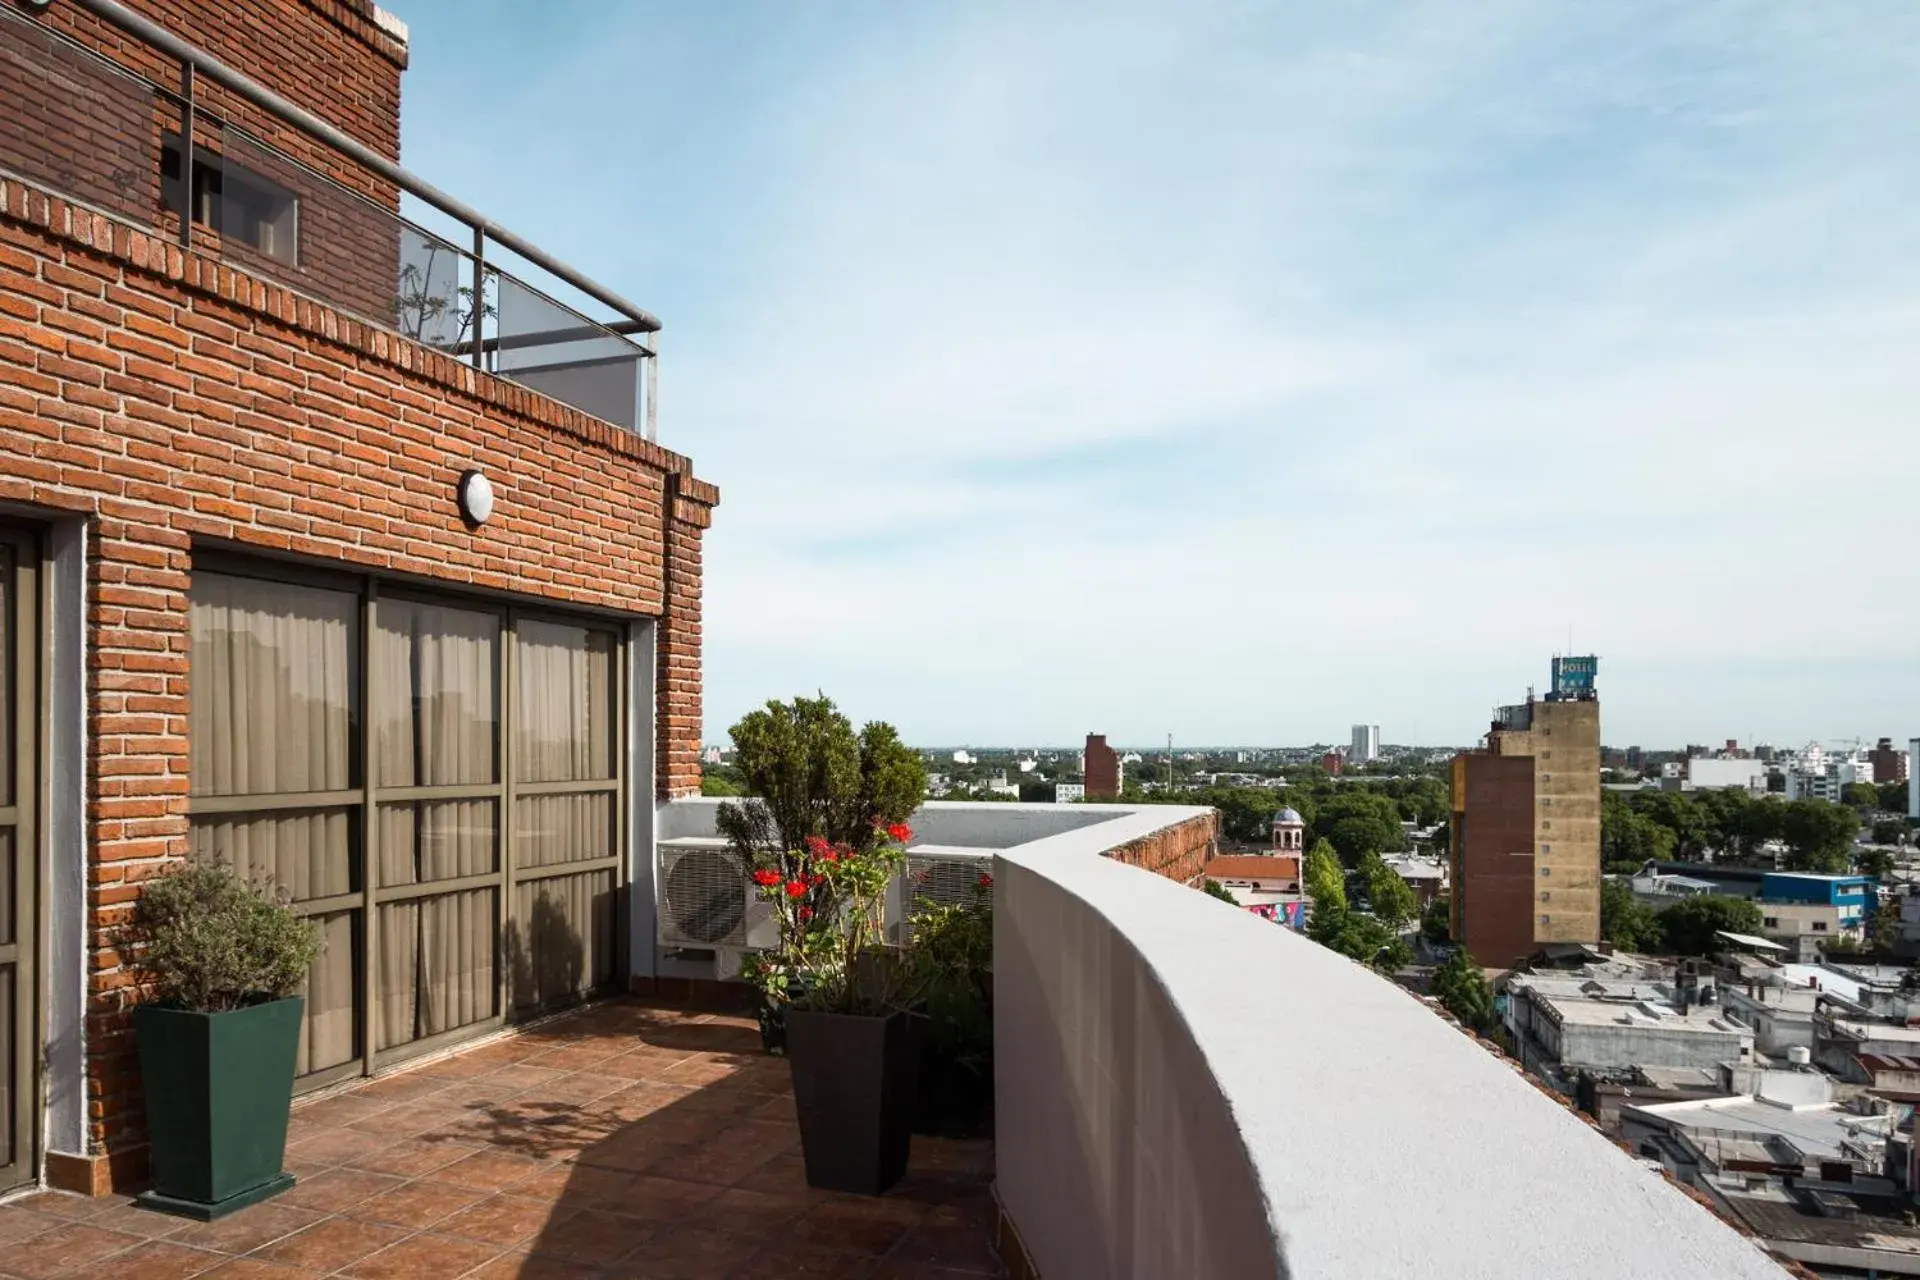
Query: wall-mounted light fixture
<point x="476" y="497"/>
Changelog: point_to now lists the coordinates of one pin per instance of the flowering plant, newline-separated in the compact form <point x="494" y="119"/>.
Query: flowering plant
<point x="827" y="899"/>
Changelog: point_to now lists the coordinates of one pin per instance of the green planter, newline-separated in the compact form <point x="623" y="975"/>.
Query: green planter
<point x="218" y="1087"/>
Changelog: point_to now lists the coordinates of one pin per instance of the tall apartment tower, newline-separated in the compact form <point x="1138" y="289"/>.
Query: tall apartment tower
<point x="1102" y="769"/>
<point x="1913" y="780"/>
<point x="1526" y="824"/>
<point x="1889" y="762"/>
<point x="1366" y="744"/>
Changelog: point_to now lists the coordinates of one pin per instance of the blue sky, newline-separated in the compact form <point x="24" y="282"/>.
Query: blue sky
<point x="1244" y="371"/>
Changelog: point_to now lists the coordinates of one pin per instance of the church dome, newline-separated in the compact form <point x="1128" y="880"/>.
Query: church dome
<point x="1288" y="818"/>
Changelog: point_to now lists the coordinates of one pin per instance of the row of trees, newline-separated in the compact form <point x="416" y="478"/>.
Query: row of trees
<point x="1371" y="937"/>
<point x="1728" y="822"/>
<point x="1686" y="928"/>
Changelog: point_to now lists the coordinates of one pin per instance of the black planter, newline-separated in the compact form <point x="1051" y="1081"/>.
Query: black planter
<point x="853" y="1084"/>
<point x="218" y="1088"/>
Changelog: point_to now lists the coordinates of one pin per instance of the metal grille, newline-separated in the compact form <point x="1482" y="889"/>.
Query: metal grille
<point x="703" y="898"/>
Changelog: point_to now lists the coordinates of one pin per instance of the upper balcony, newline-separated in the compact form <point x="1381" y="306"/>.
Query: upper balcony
<point x="165" y="136"/>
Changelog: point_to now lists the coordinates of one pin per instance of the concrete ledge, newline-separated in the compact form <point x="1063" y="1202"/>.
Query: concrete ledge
<point x="1186" y="1089"/>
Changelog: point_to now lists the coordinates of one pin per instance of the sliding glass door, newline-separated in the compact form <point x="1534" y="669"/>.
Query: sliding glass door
<point x="436" y="780"/>
<point x="19" y="773"/>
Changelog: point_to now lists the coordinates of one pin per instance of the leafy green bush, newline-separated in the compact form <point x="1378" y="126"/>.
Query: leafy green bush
<point x="210" y="943"/>
<point x="952" y="961"/>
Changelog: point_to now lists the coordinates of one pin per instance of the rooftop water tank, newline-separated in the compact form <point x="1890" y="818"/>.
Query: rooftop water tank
<point x="1799" y="1055"/>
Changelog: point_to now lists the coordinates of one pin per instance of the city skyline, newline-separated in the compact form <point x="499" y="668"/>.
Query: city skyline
<point x="1249" y="373"/>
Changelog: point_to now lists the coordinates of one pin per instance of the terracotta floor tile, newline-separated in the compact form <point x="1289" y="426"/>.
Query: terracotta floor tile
<point x="424" y="1257"/>
<point x="337" y="1189"/>
<point x="146" y="1224"/>
<point x="793" y="1262"/>
<point x="489" y="1170"/>
<point x="68" y="1246"/>
<point x="573" y="1057"/>
<point x="406" y="1119"/>
<point x="641" y="1064"/>
<point x="578" y="1186"/>
<point x="247" y="1230"/>
<point x="417" y="1204"/>
<point x="409" y="1086"/>
<point x="692" y="1253"/>
<point x="521" y="1076"/>
<point x="664" y="1200"/>
<point x="60" y="1204"/>
<point x="160" y="1260"/>
<point x="520" y="1265"/>
<point x="340" y="1109"/>
<point x="827" y="1227"/>
<point x="338" y="1146"/>
<point x="19" y="1224"/>
<point x="593" y="1236"/>
<point x="255" y="1269"/>
<point x="414" y="1157"/>
<point x="333" y="1243"/>
<point x="505" y="1219"/>
<point x="956" y="1248"/>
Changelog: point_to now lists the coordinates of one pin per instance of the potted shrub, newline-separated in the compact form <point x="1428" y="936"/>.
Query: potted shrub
<point x="807" y="773"/>
<point x="951" y="958"/>
<point x="849" y="1036"/>
<point x="217" y="1044"/>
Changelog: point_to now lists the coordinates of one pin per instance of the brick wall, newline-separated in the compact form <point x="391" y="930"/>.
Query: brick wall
<point x="173" y="402"/>
<point x="1179" y="853"/>
<point x="677" y="753"/>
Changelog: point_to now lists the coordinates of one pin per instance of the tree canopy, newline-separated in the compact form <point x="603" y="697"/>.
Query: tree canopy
<point x="1861" y="795"/>
<point x="1462" y="987"/>
<point x="1322" y="878"/>
<point x="1819" y="835"/>
<point x="1390" y="897"/>
<point x="1688" y="926"/>
<point x="1630" y="836"/>
<point x="1625" y="921"/>
<point x="1359" y="821"/>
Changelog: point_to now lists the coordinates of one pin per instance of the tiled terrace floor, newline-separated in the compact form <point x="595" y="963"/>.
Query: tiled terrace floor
<point x="621" y="1141"/>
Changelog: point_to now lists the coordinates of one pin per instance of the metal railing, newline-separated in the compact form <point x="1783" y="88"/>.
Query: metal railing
<point x="158" y="155"/>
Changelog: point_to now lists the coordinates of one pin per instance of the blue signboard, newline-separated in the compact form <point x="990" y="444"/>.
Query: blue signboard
<point x="1573" y="677"/>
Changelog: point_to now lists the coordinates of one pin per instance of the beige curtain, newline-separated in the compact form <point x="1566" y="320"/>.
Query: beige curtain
<point x="273" y="673"/>
<point x="564" y="712"/>
<point x="553" y="829"/>
<point x="435" y="725"/>
<point x="273" y="677"/>
<point x="562" y="941"/>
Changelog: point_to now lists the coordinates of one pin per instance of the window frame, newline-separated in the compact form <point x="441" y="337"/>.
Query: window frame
<point x="366" y="797"/>
<point x="212" y="171"/>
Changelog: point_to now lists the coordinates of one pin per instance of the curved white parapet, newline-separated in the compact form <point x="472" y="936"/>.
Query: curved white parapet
<point x="1187" y="1090"/>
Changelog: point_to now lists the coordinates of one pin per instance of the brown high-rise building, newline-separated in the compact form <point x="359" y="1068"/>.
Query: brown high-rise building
<point x="1889" y="762"/>
<point x="1102" y="769"/>
<point x="1526" y="825"/>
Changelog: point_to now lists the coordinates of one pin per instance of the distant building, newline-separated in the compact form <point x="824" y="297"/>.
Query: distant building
<point x="1913" y="780"/>
<point x="1259" y="872"/>
<point x="1103" y="771"/>
<point x="1366" y="744"/>
<point x="1739" y="772"/>
<point x="1331" y="762"/>
<point x="1526" y="824"/>
<point x="1289" y="832"/>
<point x="1890" y="764"/>
<point x="712" y="755"/>
<point x="1427" y="877"/>
<point x="1561" y="1025"/>
<point x="963" y="757"/>
<point x="1068" y="792"/>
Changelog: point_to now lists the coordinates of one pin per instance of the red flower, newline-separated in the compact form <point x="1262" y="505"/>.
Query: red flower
<point x="766" y="877"/>
<point x="796" y="889"/>
<point x="817" y="845"/>
<point x="814" y="880"/>
<point x="986" y="882"/>
<point x="805" y="914"/>
<point x="901" y="832"/>
<point x="829" y="855"/>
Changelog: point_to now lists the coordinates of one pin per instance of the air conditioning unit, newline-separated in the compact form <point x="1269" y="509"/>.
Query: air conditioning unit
<point x="947" y="877"/>
<point x="708" y="903"/>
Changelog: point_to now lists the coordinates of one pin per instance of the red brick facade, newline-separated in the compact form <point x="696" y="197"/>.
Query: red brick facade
<point x="1101" y="769"/>
<point x="1179" y="853"/>
<point x="174" y="402"/>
